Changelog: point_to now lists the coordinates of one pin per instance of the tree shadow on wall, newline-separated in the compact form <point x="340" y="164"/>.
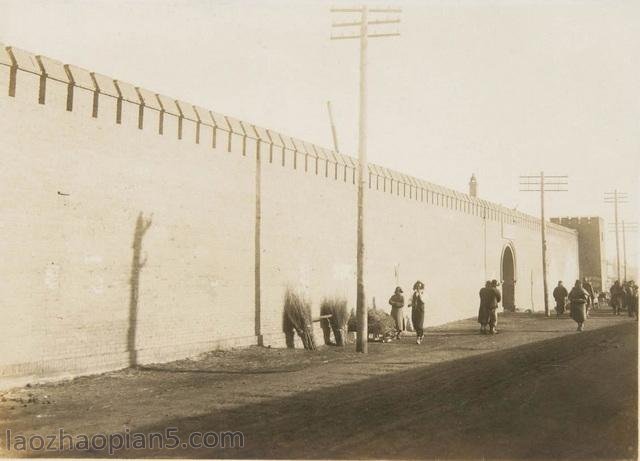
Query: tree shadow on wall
<point x="142" y="226"/>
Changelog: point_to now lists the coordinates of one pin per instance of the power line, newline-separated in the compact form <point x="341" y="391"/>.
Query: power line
<point x="347" y="24"/>
<point x="370" y="10"/>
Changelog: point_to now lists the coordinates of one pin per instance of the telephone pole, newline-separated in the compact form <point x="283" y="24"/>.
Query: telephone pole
<point x="333" y="128"/>
<point x="625" y="227"/>
<point x="537" y="184"/>
<point x="616" y="198"/>
<point x="363" y="24"/>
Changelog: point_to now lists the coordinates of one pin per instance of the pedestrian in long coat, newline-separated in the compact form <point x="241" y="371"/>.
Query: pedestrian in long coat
<point x="493" y="307"/>
<point x="627" y="297"/>
<point x="589" y="289"/>
<point x="617" y="293"/>
<point x="417" y="310"/>
<point x="560" y="294"/>
<point x="578" y="297"/>
<point x="634" y="301"/>
<point x="483" y="311"/>
<point x="397" y="303"/>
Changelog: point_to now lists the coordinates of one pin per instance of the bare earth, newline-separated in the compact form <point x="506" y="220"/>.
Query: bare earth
<point x="539" y="389"/>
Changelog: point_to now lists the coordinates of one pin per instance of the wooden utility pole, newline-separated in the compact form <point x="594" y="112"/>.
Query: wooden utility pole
<point x="615" y="208"/>
<point x="363" y="36"/>
<point x="539" y="183"/>
<point x="333" y="128"/>
<point x="624" y="251"/>
<point x="484" y="235"/>
<point x="626" y="227"/>
<point x="616" y="198"/>
<point x="361" y="306"/>
<point x="544" y="247"/>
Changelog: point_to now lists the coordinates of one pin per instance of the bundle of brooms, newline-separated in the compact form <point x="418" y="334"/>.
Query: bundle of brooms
<point x="297" y="316"/>
<point x="337" y="308"/>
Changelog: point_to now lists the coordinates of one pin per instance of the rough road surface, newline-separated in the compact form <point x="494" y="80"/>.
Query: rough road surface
<point x="538" y="389"/>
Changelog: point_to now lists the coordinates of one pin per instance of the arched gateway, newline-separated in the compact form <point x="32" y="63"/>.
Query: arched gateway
<point x="508" y="276"/>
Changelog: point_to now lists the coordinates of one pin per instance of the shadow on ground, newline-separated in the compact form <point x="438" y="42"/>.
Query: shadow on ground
<point x="568" y="397"/>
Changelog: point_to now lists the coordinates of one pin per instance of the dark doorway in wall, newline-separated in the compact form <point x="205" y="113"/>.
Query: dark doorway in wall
<point x="508" y="279"/>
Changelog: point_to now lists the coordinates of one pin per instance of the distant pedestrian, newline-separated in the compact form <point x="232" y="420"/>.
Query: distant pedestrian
<point x="417" y="310"/>
<point x="483" y="311"/>
<point x="578" y="297"/>
<point x="589" y="289"/>
<point x="560" y="294"/>
<point x="493" y="308"/>
<point x="397" y="303"/>
<point x="634" y="300"/>
<point x="627" y="297"/>
<point x="617" y="295"/>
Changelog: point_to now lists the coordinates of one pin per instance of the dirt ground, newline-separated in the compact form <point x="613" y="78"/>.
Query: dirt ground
<point x="538" y="389"/>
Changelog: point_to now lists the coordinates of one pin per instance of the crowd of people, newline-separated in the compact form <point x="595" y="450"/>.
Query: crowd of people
<point x="417" y="310"/>
<point x="579" y="301"/>
<point x="487" y="316"/>
<point x="487" y="313"/>
<point x="582" y="299"/>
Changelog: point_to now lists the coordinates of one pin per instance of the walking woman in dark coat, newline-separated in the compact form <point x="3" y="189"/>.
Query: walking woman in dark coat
<point x="560" y="295"/>
<point x="634" y="301"/>
<point x="617" y="295"/>
<point x="578" y="297"/>
<point x="483" y="311"/>
<point x="493" y="307"/>
<point x="417" y="310"/>
<point x="397" y="303"/>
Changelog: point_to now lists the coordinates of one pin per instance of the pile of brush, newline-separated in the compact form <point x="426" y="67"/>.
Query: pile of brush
<point x="380" y="325"/>
<point x="297" y="317"/>
<point x="337" y="309"/>
<point x="352" y="324"/>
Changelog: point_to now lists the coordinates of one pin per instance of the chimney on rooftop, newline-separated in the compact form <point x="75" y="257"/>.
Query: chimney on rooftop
<point x="473" y="186"/>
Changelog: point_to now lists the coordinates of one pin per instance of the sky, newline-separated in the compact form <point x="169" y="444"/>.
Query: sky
<point x="495" y="88"/>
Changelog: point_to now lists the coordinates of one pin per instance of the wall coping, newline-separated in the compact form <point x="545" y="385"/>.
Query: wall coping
<point x="96" y="82"/>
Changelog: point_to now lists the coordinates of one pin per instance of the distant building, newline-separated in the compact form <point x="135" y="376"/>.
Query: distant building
<point x="591" y="248"/>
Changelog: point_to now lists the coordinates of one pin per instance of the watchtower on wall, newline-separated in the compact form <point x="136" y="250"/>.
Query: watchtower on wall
<point x="591" y="247"/>
<point x="473" y="186"/>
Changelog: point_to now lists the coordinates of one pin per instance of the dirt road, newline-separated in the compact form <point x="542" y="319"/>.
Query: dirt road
<point x="536" y="390"/>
